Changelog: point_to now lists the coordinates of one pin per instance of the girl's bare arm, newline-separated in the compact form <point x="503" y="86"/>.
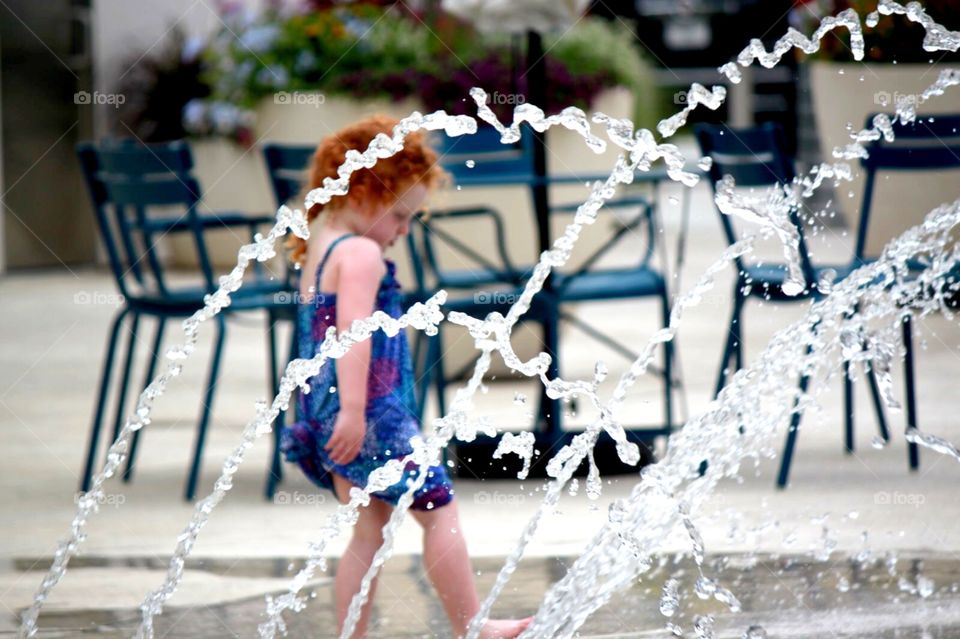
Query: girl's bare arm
<point x="361" y="269"/>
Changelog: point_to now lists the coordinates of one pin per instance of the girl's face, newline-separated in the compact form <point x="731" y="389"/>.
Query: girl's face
<point x="387" y="224"/>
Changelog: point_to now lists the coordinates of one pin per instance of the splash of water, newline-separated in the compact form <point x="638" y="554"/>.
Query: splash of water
<point x="759" y="397"/>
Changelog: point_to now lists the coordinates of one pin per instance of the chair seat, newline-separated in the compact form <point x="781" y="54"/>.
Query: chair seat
<point x="766" y="280"/>
<point x="609" y="284"/>
<point x="184" y="301"/>
<point x="474" y="278"/>
<point x="482" y="302"/>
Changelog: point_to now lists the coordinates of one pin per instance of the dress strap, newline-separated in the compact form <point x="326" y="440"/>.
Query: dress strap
<point x="326" y="255"/>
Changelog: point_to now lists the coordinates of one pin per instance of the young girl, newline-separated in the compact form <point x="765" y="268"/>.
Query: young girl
<point x="361" y="411"/>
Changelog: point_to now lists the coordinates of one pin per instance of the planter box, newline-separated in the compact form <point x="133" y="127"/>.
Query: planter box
<point x="843" y="96"/>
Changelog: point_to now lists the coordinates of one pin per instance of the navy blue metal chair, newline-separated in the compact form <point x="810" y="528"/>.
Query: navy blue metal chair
<point x="755" y="157"/>
<point x="930" y="143"/>
<point x="133" y="188"/>
<point x="482" y="160"/>
<point x="492" y="282"/>
<point x="642" y="280"/>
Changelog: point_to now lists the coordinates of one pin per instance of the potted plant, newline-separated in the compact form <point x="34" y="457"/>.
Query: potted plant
<point x="844" y="92"/>
<point x="368" y="52"/>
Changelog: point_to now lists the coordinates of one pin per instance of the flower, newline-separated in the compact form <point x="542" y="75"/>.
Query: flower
<point x="195" y="117"/>
<point x="260" y="38"/>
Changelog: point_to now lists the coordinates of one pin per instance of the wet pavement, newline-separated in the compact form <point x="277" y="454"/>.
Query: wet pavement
<point x="787" y="596"/>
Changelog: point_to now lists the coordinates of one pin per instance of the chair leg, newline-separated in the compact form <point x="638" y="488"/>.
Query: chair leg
<point x="913" y="450"/>
<point x="667" y="367"/>
<point x="435" y="364"/>
<point x="783" y="476"/>
<point x="847" y="409"/>
<point x="421" y="374"/>
<point x="151" y="370"/>
<point x="550" y="410"/>
<point x="848" y="400"/>
<point x="275" y="473"/>
<point x="102" y="399"/>
<point x="732" y="347"/>
<point x="738" y="340"/>
<point x="120" y="415"/>
<point x="205" y="410"/>
<point x="878" y="405"/>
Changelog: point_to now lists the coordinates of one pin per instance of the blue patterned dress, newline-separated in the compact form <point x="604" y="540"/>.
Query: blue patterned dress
<point x="391" y="404"/>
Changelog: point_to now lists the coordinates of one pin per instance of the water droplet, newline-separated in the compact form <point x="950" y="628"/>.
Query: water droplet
<point x="670" y="598"/>
<point x="703" y="626"/>
<point x="616" y="512"/>
<point x="705" y="587"/>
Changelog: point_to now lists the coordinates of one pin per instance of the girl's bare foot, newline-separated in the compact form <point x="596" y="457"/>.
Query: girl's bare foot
<point x="504" y="628"/>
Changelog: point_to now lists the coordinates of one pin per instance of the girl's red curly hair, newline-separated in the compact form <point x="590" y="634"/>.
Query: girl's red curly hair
<point x="381" y="185"/>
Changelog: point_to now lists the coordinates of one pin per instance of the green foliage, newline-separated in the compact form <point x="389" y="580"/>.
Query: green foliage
<point x="370" y="51"/>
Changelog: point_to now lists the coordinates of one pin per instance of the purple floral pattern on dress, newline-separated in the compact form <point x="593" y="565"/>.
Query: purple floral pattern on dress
<point x="391" y="411"/>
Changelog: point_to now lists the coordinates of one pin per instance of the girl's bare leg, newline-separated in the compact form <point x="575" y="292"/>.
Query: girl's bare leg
<point x="356" y="560"/>
<point x="448" y="566"/>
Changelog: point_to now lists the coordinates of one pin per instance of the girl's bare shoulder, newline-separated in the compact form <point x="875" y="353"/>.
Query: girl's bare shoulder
<point x="358" y="257"/>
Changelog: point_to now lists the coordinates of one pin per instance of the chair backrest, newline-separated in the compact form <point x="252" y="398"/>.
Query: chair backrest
<point x="928" y="143"/>
<point x="754" y="157"/>
<point x="128" y="182"/>
<point x="486" y="155"/>
<point x="287" y="168"/>
<point x="445" y="237"/>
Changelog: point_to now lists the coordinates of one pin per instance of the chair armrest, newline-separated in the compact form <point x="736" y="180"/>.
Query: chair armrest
<point x="615" y="203"/>
<point x="208" y="221"/>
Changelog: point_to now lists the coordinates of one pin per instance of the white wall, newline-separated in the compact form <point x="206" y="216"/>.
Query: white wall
<point x="123" y="30"/>
<point x="3" y="189"/>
